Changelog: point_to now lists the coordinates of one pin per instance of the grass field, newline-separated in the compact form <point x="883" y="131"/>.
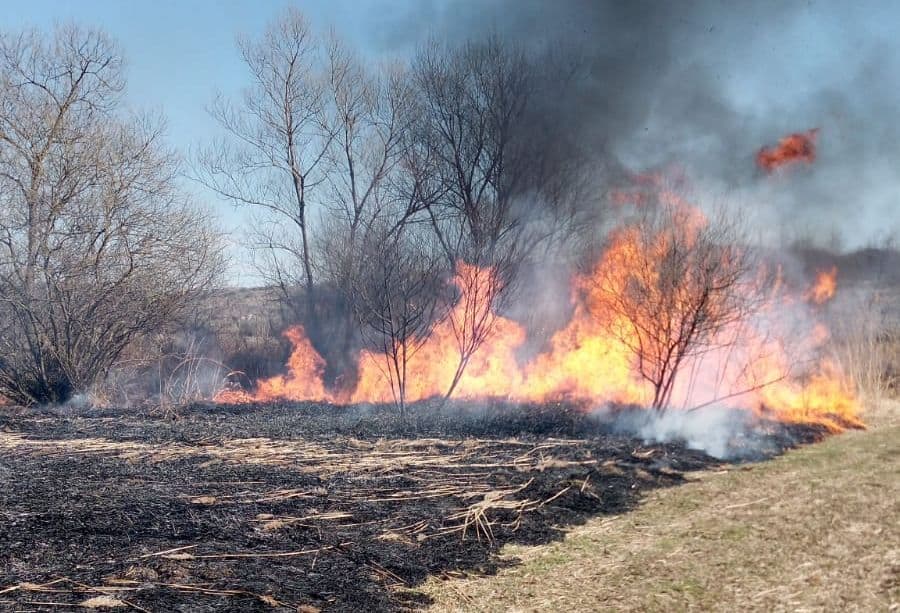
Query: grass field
<point x="817" y="529"/>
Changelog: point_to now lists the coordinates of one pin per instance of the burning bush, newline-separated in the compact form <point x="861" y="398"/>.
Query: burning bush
<point x="670" y="287"/>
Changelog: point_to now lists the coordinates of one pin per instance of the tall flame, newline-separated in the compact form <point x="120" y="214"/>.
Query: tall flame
<point x="586" y="361"/>
<point x="303" y="381"/>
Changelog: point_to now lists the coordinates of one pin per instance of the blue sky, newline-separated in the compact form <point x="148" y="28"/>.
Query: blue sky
<point x="179" y="53"/>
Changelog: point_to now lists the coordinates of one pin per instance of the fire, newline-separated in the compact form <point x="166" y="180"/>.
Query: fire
<point x="797" y="147"/>
<point x="493" y="366"/>
<point x="824" y="287"/>
<point x="826" y="398"/>
<point x="303" y="381"/>
<point x="748" y="365"/>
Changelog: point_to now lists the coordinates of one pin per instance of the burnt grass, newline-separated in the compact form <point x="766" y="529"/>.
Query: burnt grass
<point x="305" y="506"/>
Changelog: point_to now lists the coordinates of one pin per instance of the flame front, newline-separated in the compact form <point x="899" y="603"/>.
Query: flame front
<point x="591" y="359"/>
<point x="303" y="381"/>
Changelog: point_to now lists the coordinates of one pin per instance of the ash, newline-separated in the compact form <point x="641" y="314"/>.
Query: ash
<point x="282" y="506"/>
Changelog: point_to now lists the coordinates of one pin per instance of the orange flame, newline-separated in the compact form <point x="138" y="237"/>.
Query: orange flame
<point x="797" y="147"/>
<point x="491" y="368"/>
<point x="303" y="381"/>
<point x="585" y="361"/>
<point x="824" y="287"/>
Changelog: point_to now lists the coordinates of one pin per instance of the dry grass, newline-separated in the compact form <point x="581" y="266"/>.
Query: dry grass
<point x="342" y="455"/>
<point x="434" y="468"/>
<point x="817" y="529"/>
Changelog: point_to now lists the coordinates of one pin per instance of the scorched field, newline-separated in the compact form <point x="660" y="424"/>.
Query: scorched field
<point x="307" y="506"/>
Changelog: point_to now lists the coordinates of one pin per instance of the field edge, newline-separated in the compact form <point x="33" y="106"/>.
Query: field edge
<point x="817" y="528"/>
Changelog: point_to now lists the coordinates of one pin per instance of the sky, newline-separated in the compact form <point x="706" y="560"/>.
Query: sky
<point x="179" y="53"/>
<point x="702" y="82"/>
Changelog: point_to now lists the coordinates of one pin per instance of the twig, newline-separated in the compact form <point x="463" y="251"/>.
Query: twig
<point x="382" y="570"/>
<point x="744" y="504"/>
<point x="557" y="495"/>
<point x="196" y="588"/>
<point x="32" y="587"/>
<point x="136" y="607"/>
<point x="160" y="553"/>
<point x="280" y="554"/>
<point x="753" y="388"/>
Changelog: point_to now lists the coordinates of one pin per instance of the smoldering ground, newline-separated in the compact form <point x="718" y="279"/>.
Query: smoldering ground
<point x="297" y="506"/>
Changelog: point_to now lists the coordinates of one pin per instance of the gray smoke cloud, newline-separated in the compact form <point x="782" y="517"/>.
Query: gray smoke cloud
<point x="704" y="84"/>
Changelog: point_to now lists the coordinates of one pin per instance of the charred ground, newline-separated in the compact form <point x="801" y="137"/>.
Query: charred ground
<point x="268" y="507"/>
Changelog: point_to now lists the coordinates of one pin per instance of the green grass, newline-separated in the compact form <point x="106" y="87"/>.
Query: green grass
<point x="816" y="529"/>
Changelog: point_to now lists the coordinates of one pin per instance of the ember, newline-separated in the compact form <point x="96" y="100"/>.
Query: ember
<point x="797" y="147"/>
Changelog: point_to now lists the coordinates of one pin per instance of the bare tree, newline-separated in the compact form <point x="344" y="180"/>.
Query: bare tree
<point x="274" y="156"/>
<point x="505" y="188"/>
<point x="444" y="145"/>
<point x="369" y="113"/>
<point x="97" y="244"/>
<point x="671" y="285"/>
<point x="400" y="299"/>
<point x="507" y="177"/>
<point x="314" y="145"/>
<point x="473" y="97"/>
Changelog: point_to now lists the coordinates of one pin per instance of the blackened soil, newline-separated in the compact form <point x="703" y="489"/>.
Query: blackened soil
<point x="300" y="507"/>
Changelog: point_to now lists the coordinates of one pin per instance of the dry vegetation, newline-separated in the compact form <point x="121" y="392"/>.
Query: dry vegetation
<point x="347" y="167"/>
<point x="817" y="529"/>
<point x="99" y="248"/>
<point x="276" y="508"/>
<point x="357" y="175"/>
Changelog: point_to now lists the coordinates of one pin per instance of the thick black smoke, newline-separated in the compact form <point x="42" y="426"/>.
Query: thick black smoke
<point x="702" y="85"/>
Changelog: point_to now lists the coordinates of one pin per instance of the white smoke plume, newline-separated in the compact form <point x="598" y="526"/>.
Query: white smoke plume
<point x="722" y="432"/>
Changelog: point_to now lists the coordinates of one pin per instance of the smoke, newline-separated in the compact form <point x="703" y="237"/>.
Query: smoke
<point x="704" y="84"/>
<point x="724" y="433"/>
